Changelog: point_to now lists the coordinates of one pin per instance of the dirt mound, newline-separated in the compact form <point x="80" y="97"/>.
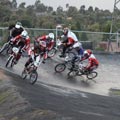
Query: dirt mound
<point x="14" y="107"/>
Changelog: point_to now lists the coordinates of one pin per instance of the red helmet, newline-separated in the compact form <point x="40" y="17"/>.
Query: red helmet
<point x="87" y="52"/>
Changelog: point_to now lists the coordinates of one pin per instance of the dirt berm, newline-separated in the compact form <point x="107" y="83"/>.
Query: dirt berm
<point x="15" y="107"/>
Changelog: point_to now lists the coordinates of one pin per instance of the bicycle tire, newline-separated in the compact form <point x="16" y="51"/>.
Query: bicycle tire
<point x="9" y="50"/>
<point x="52" y="53"/>
<point x="8" y="61"/>
<point x="69" y="56"/>
<point x="72" y="74"/>
<point x="12" y="62"/>
<point x="24" y="75"/>
<point x="92" y="74"/>
<point x="33" y="73"/>
<point x="4" y="47"/>
<point x="60" y="67"/>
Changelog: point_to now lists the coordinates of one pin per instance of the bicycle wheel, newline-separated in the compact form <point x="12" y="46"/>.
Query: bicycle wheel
<point x="13" y="62"/>
<point x="4" y="47"/>
<point x="52" y="52"/>
<point x="9" y="60"/>
<point x="72" y="74"/>
<point x="60" y="67"/>
<point x="24" y="74"/>
<point x="69" y="56"/>
<point x="9" y="50"/>
<point x="92" y="75"/>
<point x="33" y="77"/>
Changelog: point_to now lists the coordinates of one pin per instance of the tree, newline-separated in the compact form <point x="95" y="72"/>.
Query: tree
<point x="22" y="5"/>
<point x="50" y="9"/>
<point x="14" y="4"/>
<point x="67" y="5"/>
<point x="5" y="3"/>
<point x="59" y="10"/>
<point x="41" y="8"/>
<point x="90" y="9"/>
<point x="72" y="11"/>
<point x="37" y="3"/>
<point x="82" y="9"/>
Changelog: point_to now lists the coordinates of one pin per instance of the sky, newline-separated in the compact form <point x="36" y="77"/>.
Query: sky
<point x="101" y="4"/>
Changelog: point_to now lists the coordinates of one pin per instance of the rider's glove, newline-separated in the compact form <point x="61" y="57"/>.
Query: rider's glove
<point x="12" y="40"/>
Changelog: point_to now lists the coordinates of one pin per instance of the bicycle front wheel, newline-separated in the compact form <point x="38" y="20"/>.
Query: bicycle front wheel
<point x="33" y="77"/>
<point x="72" y="74"/>
<point x="92" y="75"/>
<point x="60" y="67"/>
<point x="4" y="47"/>
<point x="52" y="52"/>
<point x="24" y="74"/>
<point x="10" y="59"/>
<point x="69" y="56"/>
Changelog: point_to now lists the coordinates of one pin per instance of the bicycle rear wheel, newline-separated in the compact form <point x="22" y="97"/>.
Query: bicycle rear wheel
<point x="60" y="67"/>
<point x="52" y="52"/>
<point x="33" y="77"/>
<point x="10" y="59"/>
<point x="92" y="75"/>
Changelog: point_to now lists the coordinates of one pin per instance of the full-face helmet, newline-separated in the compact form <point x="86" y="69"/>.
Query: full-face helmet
<point x="24" y="34"/>
<point x="51" y="36"/>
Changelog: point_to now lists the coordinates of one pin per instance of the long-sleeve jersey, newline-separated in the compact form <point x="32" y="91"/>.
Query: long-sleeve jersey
<point x="71" y="38"/>
<point x="92" y="61"/>
<point x="26" y="41"/>
<point x="49" y="43"/>
<point x="14" y="31"/>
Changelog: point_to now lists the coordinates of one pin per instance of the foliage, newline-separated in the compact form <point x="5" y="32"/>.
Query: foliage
<point x="42" y="16"/>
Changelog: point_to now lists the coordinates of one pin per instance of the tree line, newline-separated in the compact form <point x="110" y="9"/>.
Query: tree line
<point x="39" y="15"/>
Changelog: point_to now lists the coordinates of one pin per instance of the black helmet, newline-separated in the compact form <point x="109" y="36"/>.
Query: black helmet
<point x="65" y="31"/>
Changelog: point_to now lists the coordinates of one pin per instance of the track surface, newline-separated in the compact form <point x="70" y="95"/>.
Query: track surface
<point x="67" y="97"/>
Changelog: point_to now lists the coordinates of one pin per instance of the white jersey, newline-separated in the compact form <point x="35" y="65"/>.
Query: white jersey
<point x="72" y="35"/>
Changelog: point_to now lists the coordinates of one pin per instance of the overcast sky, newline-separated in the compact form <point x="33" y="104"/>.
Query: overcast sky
<point x="101" y="4"/>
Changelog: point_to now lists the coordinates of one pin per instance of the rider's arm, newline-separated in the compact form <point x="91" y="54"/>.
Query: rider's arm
<point x="70" y="41"/>
<point x="89" y="63"/>
<point x="27" y="44"/>
<point x="50" y="46"/>
<point x="40" y="38"/>
<point x="16" y="38"/>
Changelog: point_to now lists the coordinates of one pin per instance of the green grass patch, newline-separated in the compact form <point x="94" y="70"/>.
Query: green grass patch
<point x="3" y="97"/>
<point x="117" y="92"/>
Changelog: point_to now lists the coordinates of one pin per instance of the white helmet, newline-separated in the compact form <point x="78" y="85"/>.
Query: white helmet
<point x="24" y="34"/>
<point x="18" y="25"/>
<point x="51" y="35"/>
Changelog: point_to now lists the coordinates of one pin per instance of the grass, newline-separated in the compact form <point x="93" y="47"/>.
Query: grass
<point x="117" y="92"/>
<point x="3" y="97"/>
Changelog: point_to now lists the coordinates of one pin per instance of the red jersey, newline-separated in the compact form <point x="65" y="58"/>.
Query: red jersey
<point x="92" y="61"/>
<point x="25" y="41"/>
<point x="49" y="43"/>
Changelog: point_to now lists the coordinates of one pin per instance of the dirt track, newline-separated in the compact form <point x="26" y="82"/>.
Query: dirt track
<point x="54" y="97"/>
<point x="108" y="74"/>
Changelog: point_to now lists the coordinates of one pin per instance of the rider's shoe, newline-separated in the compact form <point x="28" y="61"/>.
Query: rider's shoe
<point x="15" y="62"/>
<point x="43" y="61"/>
<point x="61" y="55"/>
